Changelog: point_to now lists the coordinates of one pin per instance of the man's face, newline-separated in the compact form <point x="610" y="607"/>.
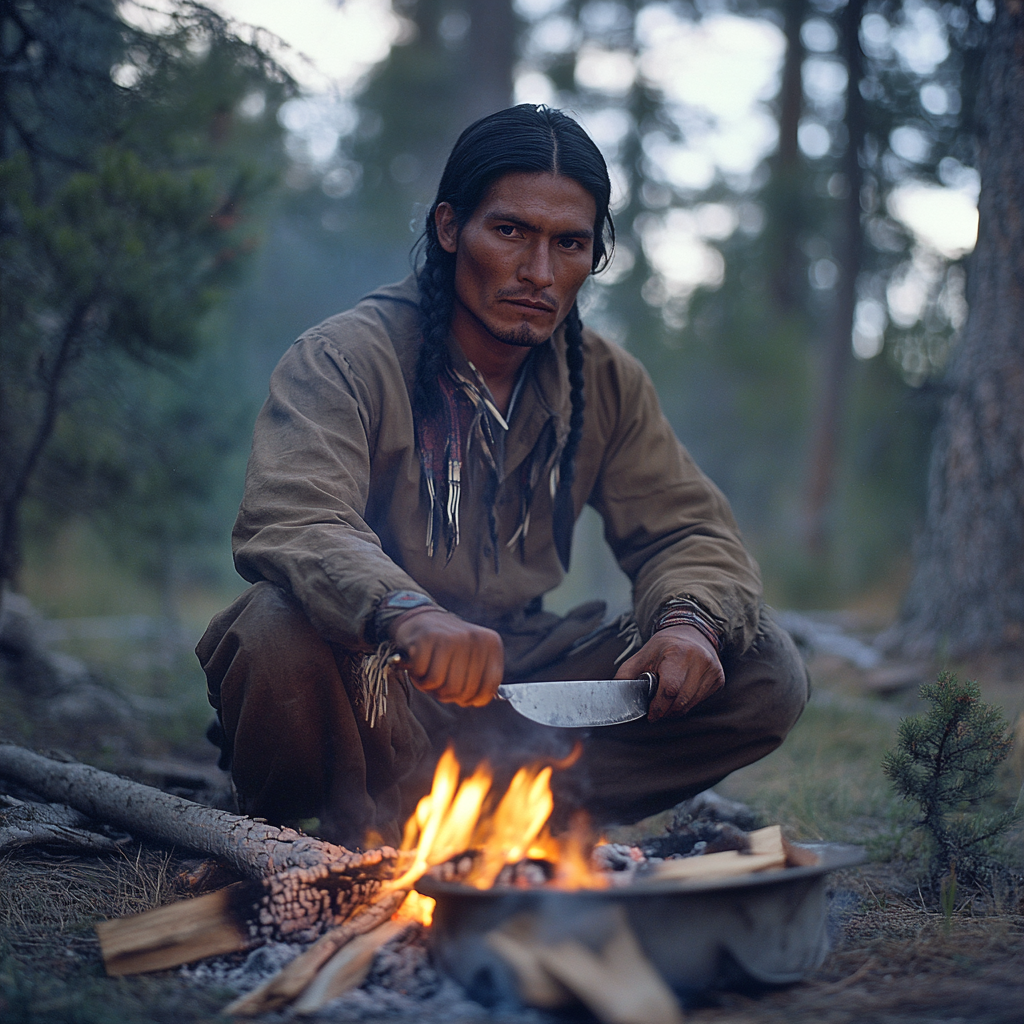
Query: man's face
<point x="521" y="257"/>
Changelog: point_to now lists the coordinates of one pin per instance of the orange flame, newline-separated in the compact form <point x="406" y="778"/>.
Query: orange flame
<point x="450" y="820"/>
<point x="416" y="907"/>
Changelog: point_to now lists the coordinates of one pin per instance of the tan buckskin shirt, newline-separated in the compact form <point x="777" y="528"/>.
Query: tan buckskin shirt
<point x="334" y="512"/>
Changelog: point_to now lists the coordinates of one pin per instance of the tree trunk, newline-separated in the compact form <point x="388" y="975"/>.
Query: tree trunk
<point x="489" y="59"/>
<point x="788" y="275"/>
<point x="255" y="849"/>
<point x="967" y="592"/>
<point x="825" y="435"/>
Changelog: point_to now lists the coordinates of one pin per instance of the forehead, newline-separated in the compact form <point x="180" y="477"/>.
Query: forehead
<point x="551" y="202"/>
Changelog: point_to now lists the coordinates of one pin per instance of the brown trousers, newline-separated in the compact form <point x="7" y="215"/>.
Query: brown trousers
<point x="299" y="745"/>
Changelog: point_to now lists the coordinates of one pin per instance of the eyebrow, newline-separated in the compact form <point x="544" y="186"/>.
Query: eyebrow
<point x="512" y="218"/>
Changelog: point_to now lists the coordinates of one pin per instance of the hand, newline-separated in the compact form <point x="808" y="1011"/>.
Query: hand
<point x="687" y="666"/>
<point x="456" y="661"/>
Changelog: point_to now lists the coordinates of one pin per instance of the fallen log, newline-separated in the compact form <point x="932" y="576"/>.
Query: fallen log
<point x="253" y="848"/>
<point x="298" y="888"/>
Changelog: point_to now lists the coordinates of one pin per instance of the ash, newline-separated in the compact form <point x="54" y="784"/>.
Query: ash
<point x="403" y="985"/>
<point x="707" y="823"/>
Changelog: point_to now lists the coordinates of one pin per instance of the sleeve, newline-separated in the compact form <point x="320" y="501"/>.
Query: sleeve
<point x="670" y="528"/>
<point x="300" y="524"/>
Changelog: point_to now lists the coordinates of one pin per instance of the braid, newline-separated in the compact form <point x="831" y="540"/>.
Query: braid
<point x="574" y="360"/>
<point x="564" y="511"/>
<point x="437" y="293"/>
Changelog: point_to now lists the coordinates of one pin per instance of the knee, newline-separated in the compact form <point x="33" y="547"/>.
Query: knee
<point x="263" y="630"/>
<point x="770" y="681"/>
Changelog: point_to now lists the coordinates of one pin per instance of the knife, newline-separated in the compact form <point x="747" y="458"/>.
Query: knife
<point x="582" y="703"/>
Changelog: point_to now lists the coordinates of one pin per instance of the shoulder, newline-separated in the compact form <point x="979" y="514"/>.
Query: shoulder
<point x="374" y="341"/>
<point x="614" y="377"/>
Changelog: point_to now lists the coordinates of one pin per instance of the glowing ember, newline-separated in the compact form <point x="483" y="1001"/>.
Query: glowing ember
<point x="456" y="818"/>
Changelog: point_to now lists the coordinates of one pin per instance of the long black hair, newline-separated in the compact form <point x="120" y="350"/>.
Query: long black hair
<point x="525" y="138"/>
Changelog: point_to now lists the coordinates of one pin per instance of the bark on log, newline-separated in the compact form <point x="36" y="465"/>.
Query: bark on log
<point x="294" y="977"/>
<point x="253" y="848"/>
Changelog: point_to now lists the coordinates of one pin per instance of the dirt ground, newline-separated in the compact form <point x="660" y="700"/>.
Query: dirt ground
<point x="896" y="957"/>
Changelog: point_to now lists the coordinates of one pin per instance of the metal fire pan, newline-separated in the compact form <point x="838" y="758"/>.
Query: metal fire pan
<point x="768" y="927"/>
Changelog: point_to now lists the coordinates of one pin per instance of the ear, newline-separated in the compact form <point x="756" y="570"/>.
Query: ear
<point x="447" y="227"/>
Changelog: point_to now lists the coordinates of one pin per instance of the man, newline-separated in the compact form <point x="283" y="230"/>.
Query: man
<point x="414" y="480"/>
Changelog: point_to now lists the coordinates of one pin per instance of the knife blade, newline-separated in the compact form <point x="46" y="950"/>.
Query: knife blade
<point x="582" y="703"/>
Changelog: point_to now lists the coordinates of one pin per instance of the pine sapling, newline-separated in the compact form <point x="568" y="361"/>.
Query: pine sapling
<point x="945" y="761"/>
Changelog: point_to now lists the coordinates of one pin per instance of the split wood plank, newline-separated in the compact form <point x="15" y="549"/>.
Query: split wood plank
<point x="176" y="934"/>
<point x="283" y="987"/>
<point x="348" y="968"/>
<point x="516" y="944"/>
<point x="766" y="851"/>
<point x="619" y="985"/>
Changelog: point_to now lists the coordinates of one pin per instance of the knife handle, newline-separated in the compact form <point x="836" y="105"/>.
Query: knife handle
<point x="652" y="682"/>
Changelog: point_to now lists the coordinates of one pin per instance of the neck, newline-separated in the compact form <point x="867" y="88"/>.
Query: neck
<point x="497" y="361"/>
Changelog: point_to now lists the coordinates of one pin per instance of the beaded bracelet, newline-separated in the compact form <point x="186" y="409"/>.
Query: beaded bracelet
<point x="688" y="615"/>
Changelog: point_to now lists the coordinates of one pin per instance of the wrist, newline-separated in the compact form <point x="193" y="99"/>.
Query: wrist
<point x="684" y="612"/>
<point x="395" y="606"/>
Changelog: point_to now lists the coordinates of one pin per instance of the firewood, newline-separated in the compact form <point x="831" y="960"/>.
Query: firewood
<point x="516" y="943"/>
<point x="176" y="934"/>
<point x="766" y="851"/>
<point x="348" y="968"/>
<point x="251" y="847"/>
<point x="619" y="985"/>
<point x="291" y="980"/>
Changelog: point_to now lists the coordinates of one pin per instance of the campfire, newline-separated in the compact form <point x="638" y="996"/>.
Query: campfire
<point x="462" y="831"/>
<point x="514" y="911"/>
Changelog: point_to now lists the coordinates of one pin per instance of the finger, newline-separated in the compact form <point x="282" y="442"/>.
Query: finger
<point x="495" y="671"/>
<point x="472" y="684"/>
<point x="666" y="697"/>
<point x="435" y="672"/>
<point x="457" y="684"/>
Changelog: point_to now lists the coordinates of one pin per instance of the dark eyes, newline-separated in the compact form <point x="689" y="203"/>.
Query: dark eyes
<point x="568" y="244"/>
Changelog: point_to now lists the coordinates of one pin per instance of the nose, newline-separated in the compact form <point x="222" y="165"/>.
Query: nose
<point x="536" y="268"/>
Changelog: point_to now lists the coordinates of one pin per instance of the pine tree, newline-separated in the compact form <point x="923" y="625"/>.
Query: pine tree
<point x="946" y="762"/>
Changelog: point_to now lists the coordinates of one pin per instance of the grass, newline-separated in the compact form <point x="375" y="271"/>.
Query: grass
<point x="825" y="782"/>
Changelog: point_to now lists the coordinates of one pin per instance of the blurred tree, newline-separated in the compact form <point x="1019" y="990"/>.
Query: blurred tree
<point x="967" y="593"/>
<point x="131" y="161"/>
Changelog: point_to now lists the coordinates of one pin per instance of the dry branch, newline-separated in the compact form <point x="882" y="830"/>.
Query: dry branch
<point x="23" y="823"/>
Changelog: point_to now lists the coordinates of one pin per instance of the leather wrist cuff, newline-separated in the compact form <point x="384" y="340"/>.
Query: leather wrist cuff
<point x="393" y="605"/>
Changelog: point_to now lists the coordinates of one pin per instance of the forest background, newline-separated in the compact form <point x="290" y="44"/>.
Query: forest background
<point x="795" y="201"/>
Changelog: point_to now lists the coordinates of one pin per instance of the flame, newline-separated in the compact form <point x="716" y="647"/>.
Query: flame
<point x="456" y="818"/>
<point x="416" y="907"/>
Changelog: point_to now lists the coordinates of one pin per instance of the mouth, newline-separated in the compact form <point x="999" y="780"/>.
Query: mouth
<point x="531" y="306"/>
